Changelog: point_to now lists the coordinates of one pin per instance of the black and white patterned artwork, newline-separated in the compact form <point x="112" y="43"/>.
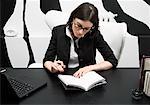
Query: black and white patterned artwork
<point x="19" y="18"/>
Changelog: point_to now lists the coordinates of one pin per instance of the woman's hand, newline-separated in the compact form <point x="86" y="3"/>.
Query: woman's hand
<point x="82" y="71"/>
<point x="55" y="67"/>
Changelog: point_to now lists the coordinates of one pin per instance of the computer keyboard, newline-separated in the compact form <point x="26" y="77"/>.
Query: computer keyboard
<point x="21" y="88"/>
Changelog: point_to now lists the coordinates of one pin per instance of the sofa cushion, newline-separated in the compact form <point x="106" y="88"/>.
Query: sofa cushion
<point x="54" y="18"/>
<point x="113" y="34"/>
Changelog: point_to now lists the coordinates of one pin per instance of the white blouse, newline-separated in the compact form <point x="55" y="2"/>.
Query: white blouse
<point x="73" y="61"/>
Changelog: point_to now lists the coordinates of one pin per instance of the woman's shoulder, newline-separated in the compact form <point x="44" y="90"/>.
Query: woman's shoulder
<point x="59" y="31"/>
<point x="60" y="27"/>
<point x="96" y="33"/>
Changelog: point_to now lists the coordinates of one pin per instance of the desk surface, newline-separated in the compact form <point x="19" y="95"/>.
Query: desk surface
<point x="116" y="91"/>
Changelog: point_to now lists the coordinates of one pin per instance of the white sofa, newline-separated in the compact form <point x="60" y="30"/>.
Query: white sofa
<point x="124" y="45"/>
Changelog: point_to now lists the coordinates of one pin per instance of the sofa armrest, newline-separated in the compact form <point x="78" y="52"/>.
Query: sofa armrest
<point x="36" y="65"/>
<point x="129" y="56"/>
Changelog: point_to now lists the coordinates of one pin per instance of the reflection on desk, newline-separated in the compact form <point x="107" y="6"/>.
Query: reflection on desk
<point x="117" y="91"/>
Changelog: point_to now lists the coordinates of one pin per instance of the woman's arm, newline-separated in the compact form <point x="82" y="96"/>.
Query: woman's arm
<point x="48" y="61"/>
<point x="105" y="65"/>
<point x="109" y="62"/>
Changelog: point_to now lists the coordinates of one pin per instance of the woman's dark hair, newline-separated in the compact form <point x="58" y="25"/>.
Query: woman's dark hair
<point x="85" y="11"/>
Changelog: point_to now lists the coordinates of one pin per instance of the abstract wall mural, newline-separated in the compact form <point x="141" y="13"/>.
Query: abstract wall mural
<point x="135" y="13"/>
<point x="147" y="1"/>
<point x="5" y="14"/>
<point x="135" y="27"/>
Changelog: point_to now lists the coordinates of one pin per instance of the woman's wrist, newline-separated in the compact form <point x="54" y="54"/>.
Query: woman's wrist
<point x="94" y="67"/>
<point x="48" y="65"/>
<point x="90" y="67"/>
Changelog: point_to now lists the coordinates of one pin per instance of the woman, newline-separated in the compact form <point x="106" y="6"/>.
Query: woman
<point x="74" y="45"/>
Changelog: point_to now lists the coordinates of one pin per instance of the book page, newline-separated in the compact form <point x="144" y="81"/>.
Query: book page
<point x="97" y="84"/>
<point x="85" y="82"/>
<point x="90" y="79"/>
<point x="145" y="82"/>
<point x="148" y="90"/>
<point x="69" y="79"/>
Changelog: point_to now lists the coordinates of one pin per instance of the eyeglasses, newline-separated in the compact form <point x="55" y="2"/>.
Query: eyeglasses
<point x="78" y="26"/>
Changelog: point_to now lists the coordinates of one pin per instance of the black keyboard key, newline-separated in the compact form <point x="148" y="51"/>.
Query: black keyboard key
<point x="20" y="87"/>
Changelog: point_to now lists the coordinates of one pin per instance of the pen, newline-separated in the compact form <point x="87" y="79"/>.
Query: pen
<point x="61" y="65"/>
<point x="3" y="70"/>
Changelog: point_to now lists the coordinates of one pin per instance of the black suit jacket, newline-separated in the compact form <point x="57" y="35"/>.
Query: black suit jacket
<point x="59" y="48"/>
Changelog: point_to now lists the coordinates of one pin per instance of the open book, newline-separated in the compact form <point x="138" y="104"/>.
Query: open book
<point x="86" y="82"/>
